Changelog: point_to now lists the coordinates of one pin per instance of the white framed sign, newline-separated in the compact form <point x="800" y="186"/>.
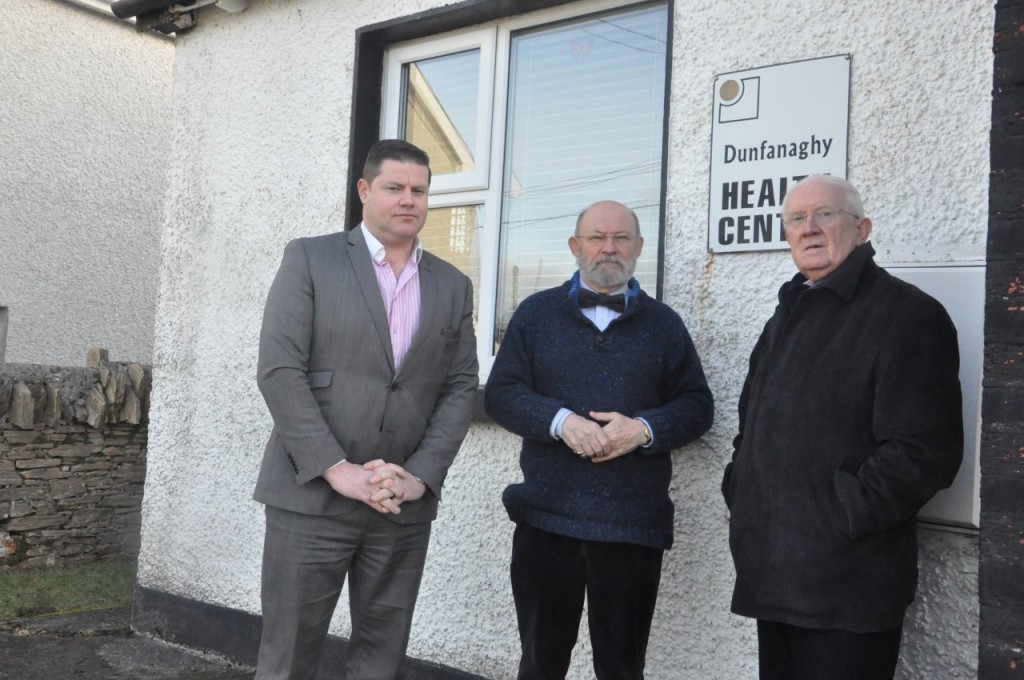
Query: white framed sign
<point x="771" y="127"/>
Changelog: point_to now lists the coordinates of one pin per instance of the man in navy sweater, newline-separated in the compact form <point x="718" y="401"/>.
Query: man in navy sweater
<point x="602" y="382"/>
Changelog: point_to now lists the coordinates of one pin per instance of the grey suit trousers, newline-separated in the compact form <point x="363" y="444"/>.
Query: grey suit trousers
<point x="383" y="562"/>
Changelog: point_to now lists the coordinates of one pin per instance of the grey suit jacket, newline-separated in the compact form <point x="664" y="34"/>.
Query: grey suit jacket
<point x="326" y="371"/>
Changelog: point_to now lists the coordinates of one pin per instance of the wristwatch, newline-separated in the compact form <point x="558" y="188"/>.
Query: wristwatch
<point x="647" y="434"/>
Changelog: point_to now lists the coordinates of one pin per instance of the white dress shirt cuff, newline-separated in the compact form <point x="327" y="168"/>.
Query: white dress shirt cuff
<point x="558" y="422"/>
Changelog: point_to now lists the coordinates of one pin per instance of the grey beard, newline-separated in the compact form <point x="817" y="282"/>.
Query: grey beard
<point x="610" y="277"/>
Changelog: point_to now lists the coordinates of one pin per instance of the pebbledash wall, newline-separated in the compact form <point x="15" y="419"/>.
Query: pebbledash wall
<point x="84" y="129"/>
<point x="262" y="108"/>
<point x="72" y="462"/>
<point x="84" y="133"/>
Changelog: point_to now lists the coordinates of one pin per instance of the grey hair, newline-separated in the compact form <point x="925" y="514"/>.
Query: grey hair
<point x="854" y="204"/>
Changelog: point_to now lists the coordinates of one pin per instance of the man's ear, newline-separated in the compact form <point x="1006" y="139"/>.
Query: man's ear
<point x="363" y="188"/>
<point x="863" y="230"/>
<point x="574" y="246"/>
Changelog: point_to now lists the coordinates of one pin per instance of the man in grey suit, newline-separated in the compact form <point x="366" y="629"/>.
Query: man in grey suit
<point x="368" y="366"/>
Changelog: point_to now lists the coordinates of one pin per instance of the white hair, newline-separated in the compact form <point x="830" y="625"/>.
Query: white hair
<point x="854" y="204"/>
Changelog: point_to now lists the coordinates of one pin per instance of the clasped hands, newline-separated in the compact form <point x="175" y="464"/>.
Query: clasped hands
<point x="617" y="436"/>
<point x="381" y="485"/>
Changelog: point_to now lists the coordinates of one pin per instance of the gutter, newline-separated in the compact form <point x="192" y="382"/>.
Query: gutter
<point x="167" y="16"/>
<point x="162" y="16"/>
<point x="98" y="6"/>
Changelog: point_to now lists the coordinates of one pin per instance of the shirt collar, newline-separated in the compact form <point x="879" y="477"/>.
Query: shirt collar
<point x="377" y="251"/>
<point x="623" y="289"/>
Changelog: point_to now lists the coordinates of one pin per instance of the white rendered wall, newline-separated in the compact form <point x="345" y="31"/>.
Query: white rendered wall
<point x="84" y="119"/>
<point x="261" y="112"/>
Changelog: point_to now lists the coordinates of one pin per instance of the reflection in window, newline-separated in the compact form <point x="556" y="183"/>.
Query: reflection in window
<point x="440" y="109"/>
<point x="585" y="115"/>
<point x="452" y="234"/>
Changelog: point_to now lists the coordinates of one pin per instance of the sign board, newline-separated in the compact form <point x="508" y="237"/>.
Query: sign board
<point x="771" y="127"/>
<point x="961" y="290"/>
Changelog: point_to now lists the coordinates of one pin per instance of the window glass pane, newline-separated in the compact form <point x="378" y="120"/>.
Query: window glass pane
<point x="585" y="117"/>
<point x="453" y="235"/>
<point x="440" y="109"/>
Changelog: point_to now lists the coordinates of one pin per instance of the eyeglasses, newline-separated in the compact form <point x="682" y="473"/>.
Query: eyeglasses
<point x="822" y="216"/>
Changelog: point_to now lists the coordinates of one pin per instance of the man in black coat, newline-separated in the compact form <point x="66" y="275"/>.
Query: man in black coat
<point x="849" y="421"/>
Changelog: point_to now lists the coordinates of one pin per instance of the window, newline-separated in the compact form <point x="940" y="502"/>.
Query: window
<point x="527" y="121"/>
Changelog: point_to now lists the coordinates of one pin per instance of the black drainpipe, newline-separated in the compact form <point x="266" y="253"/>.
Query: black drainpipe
<point x="1001" y="568"/>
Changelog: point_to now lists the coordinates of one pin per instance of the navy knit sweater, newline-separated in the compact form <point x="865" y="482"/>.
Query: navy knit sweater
<point x="643" y="365"/>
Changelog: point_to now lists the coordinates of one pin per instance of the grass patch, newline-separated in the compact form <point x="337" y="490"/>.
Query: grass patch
<point x="60" y="590"/>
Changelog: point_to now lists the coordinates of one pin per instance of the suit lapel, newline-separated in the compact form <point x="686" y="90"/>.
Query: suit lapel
<point x="362" y="265"/>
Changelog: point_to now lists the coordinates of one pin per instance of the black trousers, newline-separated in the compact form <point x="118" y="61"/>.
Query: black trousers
<point x="788" y="652"/>
<point x="552" y="574"/>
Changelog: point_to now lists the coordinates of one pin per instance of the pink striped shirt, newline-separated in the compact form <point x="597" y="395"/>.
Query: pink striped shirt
<point x="401" y="294"/>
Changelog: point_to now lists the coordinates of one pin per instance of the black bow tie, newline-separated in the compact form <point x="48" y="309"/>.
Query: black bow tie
<point x="589" y="298"/>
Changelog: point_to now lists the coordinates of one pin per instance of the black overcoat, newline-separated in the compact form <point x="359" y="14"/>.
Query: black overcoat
<point x="850" y="420"/>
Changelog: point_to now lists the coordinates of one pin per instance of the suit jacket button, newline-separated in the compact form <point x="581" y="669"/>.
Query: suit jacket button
<point x="394" y="387"/>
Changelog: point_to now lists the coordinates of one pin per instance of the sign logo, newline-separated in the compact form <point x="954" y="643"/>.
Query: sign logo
<point x="739" y="100"/>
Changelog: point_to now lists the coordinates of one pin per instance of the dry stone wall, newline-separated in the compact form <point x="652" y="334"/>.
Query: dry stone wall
<point x="72" y="462"/>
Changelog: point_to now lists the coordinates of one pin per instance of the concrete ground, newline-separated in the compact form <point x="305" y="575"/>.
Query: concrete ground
<point x="99" y="646"/>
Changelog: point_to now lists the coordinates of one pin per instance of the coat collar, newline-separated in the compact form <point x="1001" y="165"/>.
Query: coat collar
<point x="358" y="255"/>
<point x="844" y="280"/>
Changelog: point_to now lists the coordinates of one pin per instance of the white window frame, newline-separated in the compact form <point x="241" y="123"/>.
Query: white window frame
<point x="398" y="56"/>
<point x="476" y="188"/>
